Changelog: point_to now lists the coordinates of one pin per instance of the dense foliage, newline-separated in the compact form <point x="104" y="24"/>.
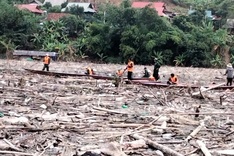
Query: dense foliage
<point x="117" y="33"/>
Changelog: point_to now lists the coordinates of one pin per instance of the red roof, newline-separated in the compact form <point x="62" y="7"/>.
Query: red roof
<point x="56" y="16"/>
<point x="158" y="6"/>
<point x="30" y="7"/>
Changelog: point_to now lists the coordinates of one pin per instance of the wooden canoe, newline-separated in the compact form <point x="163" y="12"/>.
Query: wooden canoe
<point x="155" y="84"/>
<point x="50" y="73"/>
<point x="142" y="81"/>
<point x="102" y="77"/>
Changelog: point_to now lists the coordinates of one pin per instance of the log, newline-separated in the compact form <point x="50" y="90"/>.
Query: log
<point x="166" y="150"/>
<point x="195" y="131"/>
<point x="12" y="146"/>
<point x="16" y="153"/>
<point x="135" y="144"/>
<point x="113" y="149"/>
<point x="124" y="125"/>
<point x="109" y="111"/>
<point x="203" y="113"/>
<point x="183" y="120"/>
<point x="202" y="146"/>
<point x="207" y="89"/>
<point x="224" y="152"/>
<point x="162" y="102"/>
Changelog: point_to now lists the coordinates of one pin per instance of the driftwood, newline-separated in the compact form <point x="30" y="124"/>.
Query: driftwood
<point x="207" y="89"/>
<point x="16" y="153"/>
<point x="195" y="131"/>
<point x="113" y="149"/>
<point x="224" y="152"/>
<point x="47" y="115"/>
<point x="203" y="148"/>
<point x="108" y="111"/>
<point x="135" y="144"/>
<point x="12" y="146"/>
<point x="164" y="149"/>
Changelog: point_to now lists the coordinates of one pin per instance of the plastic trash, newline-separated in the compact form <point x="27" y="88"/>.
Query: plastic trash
<point x="125" y="105"/>
<point x="29" y="59"/>
<point x="1" y="114"/>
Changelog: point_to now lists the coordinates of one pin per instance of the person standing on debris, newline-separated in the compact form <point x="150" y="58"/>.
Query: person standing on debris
<point x="173" y="79"/>
<point x="229" y="73"/>
<point x="148" y="74"/>
<point x="118" y="77"/>
<point x="156" y="69"/>
<point x="46" y="62"/>
<point x="130" y="68"/>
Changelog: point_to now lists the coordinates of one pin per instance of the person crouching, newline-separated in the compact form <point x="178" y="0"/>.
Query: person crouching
<point x="89" y="71"/>
<point x="173" y="79"/>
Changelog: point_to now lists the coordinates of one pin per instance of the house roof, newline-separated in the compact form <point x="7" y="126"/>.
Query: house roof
<point x="56" y="16"/>
<point x="55" y="2"/>
<point x="35" y="2"/>
<point x="30" y="7"/>
<point x="87" y="6"/>
<point x="158" y="6"/>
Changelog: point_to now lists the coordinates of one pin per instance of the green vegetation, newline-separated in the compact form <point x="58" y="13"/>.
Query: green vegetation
<point x="117" y="33"/>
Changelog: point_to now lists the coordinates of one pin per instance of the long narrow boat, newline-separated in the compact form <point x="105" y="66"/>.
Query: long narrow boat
<point x="52" y="73"/>
<point x="161" y="84"/>
<point x="49" y="73"/>
<point x="155" y="84"/>
<point x="142" y="81"/>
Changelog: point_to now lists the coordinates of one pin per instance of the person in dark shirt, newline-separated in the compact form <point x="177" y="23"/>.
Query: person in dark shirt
<point x="146" y="73"/>
<point x="156" y="69"/>
<point x="229" y="73"/>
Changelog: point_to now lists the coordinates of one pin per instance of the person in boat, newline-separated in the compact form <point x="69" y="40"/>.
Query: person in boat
<point x="119" y="73"/>
<point x="89" y="71"/>
<point x="151" y="78"/>
<point x="173" y="79"/>
<point x="156" y="69"/>
<point x="146" y="72"/>
<point x="229" y="73"/>
<point x="130" y="68"/>
<point x="46" y="62"/>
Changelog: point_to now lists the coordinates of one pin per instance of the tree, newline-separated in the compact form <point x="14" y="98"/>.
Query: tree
<point x="9" y="47"/>
<point x="75" y="10"/>
<point x="51" y="35"/>
<point x="64" y="5"/>
<point x="98" y="40"/>
<point x="74" y="25"/>
<point x="56" y="9"/>
<point x="17" y="25"/>
<point x="47" y="5"/>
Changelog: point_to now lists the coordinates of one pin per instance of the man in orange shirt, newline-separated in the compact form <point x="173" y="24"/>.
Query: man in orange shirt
<point x="89" y="71"/>
<point x="173" y="79"/>
<point x="46" y="62"/>
<point x="130" y="68"/>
